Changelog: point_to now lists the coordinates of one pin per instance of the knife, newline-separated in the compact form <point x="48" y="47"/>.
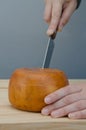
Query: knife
<point x="49" y="51"/>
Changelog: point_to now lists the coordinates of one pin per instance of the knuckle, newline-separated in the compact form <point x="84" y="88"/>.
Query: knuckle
<point x="65" y="21"/>
<point x="66" y="100"/>
<point x="46" y="18"/>
<point x="74" y="3"/>
<point x="55" y="14"/>
<point x="64" y="112"/>
<point x="68" y="89"/>
<point x="55" y="105"/>
<point x="79" y="104"/>
<point x="81" y="114"/>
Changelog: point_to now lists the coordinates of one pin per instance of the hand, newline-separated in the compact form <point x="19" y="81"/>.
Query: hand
<point x="57" y="13"/>
<point x="70" y="100"/>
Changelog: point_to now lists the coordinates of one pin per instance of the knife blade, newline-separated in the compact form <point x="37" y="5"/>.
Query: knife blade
<point x="48" y="52"/>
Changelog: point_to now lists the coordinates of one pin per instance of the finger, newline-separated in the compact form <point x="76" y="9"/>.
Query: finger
<point x="67" y="100"/>
<point x="78" y="115"/>
<point x="67" y="13"/>
<point x="56" y="13"/>
<point x="61" y="103"/>
<point x="48" y="10"/>
<point x="58" y="94"/>
<point x="47" y="110"/>
<point x="77" y="106"/>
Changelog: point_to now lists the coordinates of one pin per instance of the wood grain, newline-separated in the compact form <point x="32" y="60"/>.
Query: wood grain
<point x="13" y="119"/>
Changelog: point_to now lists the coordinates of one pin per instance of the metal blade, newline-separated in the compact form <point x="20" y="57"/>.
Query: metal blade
<point x="48" y="53"/>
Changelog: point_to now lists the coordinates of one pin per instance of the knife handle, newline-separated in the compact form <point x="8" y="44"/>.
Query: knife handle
<point x="53" y="35"/>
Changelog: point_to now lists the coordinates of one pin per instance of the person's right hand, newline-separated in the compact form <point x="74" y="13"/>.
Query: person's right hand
<point x="57" y="13"/>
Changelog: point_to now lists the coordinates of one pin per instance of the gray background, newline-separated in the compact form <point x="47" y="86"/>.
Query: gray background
<point x="23" y="39"/>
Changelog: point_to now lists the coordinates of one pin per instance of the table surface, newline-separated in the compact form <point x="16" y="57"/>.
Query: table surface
<point x="11" y="118"/>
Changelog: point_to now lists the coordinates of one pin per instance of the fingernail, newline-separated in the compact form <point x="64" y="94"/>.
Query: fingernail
<point x="50" y="32"/>
<point x="71" y="115"/>
<point x="60" y="28"/>
<point x="55" y="114"/>
<point x="47" y="100"/>
<point x="45" y="112"/>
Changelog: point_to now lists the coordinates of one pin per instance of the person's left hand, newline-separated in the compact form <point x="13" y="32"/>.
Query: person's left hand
<point x="70" y="100"/>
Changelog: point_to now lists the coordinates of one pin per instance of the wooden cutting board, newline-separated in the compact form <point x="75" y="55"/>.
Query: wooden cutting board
<point x="13" y="119"/>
